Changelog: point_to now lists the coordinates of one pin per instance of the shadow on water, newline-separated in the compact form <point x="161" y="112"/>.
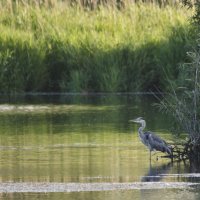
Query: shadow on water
<point x="194" y="167"/>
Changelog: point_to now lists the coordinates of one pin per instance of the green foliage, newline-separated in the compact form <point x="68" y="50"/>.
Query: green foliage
<point x="183" y="100"/>
<point x="66" y="48"/>
<point x="183" y="103"/>
<point x="21" y="66"/>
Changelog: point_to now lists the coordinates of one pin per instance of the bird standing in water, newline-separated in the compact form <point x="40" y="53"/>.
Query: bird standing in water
<point x="149" y="139"/>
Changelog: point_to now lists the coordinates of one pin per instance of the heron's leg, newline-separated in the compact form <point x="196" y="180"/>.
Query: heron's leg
<point x="154" y="153"/>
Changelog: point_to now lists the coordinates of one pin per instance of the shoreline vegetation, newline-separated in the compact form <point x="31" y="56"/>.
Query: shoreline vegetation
<point x="65" y="48"/>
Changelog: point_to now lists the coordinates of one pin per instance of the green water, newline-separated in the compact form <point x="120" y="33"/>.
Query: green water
<point x="84" y="139"/>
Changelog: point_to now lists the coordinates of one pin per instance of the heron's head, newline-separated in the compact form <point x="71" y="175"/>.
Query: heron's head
<point x="139" y="120"/>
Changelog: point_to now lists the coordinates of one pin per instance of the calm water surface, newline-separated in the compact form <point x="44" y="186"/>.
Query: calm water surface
<point x="86" y="139"/>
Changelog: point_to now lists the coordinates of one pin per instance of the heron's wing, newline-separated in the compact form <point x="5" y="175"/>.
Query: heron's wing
<point x="156" y="142"/>
<point x="155" y="138"/>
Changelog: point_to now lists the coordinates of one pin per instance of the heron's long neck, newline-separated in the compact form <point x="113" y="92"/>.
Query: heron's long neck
<point x="140" y="130"/>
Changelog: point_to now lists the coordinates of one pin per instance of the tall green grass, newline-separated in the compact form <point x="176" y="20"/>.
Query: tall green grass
<point x="66" y="48"/>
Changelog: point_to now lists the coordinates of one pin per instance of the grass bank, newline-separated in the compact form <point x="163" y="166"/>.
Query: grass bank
<point x="69" y="49"/>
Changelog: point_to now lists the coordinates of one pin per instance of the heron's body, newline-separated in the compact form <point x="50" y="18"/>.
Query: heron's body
<point x="149" y="139"/>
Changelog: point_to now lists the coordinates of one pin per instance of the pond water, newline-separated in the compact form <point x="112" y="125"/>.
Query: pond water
<point x="83" y="147"/>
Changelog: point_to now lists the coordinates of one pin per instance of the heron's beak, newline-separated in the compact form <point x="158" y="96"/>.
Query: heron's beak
<point x="132" y="120"/>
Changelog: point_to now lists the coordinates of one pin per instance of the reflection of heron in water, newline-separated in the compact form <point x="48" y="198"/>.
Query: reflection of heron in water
<point x="156" y="173"/>
<point x="149" y="139"/>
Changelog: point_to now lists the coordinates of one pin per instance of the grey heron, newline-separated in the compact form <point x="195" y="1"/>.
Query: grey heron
<point x="149" y="139"/>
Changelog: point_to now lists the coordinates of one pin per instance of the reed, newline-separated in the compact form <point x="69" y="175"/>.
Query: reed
<point x="183" y="105"/>
<point x="87" y="4"/>
<point x="67" y="48"/>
